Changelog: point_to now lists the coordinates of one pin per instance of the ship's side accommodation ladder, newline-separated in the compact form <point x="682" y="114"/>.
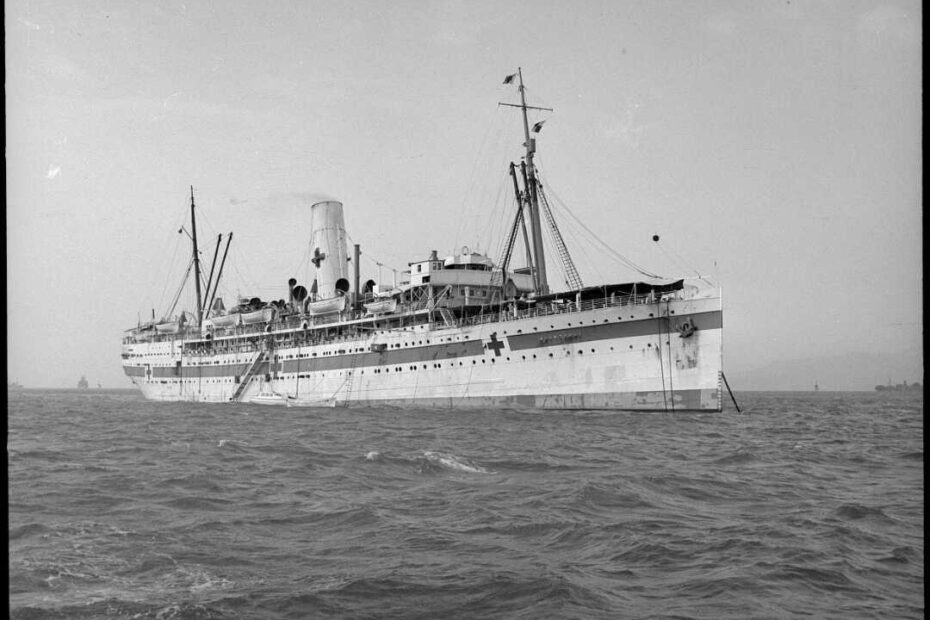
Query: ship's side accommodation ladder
<point x="247" y="377"/>
<point x="433" y="306"/>
<point x="350" y="378"/>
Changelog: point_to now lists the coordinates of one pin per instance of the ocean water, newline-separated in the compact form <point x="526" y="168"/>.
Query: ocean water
<point x="806" y="505"/>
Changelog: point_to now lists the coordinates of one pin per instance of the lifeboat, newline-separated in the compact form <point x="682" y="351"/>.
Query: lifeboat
<point x="168" y="327"/>
<point x="384" y="306"/>
<point x="226" y="320"/>
<point x="257" y="316"/>
<point x="326" y="306"/>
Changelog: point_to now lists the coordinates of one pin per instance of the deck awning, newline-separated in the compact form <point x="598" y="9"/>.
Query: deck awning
<point x="644" y="287"/>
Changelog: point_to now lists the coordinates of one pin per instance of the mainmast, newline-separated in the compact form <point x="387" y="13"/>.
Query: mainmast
<point x="196" y="262"/>
<point x="539" y="257"/>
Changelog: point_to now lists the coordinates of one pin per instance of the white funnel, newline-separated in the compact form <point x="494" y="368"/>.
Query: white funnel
<point x="328" y="248"/>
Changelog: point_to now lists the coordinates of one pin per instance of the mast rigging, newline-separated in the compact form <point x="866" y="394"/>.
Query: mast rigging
<point x="539" y="257"/>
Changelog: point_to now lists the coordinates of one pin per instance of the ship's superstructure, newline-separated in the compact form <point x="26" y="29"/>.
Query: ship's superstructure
<point x="457" y="331"/>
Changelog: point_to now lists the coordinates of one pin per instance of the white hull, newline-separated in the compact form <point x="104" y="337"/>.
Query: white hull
<point x="625" y="357"/>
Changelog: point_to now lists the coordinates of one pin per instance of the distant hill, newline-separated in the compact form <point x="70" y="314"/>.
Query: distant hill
<point x="847" y="372"/>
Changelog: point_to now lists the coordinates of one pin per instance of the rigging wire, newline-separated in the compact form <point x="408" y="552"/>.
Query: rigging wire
<point x="177" y="295"/>
<point x="497" y="226"/>
<point x="550" y="242"/>
<point x="578" y="243"/>
<point x="169" y="270"/>
<point x="479" y="156"/>
<point x="169" y="266"/>
<point x="373" y="259"/>
<point x="623" y="259"/>
<point x="494" y="157"/>
<point x="682" y="263"/>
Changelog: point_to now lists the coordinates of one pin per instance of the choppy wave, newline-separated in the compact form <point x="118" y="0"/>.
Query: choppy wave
<point x="453" y="462"/>
<point x="804" y="506"/>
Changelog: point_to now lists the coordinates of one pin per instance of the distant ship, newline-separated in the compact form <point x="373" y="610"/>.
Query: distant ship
<point x="900" y="387"/>
<point x="458" y="331"/>
<point x="13" y="385"/>
<point x="82" y="384"/>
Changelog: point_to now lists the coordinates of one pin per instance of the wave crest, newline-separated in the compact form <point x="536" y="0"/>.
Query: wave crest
<point x="450" y="461"/>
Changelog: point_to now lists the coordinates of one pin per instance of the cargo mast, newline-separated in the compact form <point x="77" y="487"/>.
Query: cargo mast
<point x="196" y="262"/>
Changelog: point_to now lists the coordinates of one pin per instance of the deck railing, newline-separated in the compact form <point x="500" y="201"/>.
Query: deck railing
<point x="248" y="337"/>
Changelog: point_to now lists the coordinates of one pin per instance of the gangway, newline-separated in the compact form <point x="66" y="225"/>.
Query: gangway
<point x="253" y="368"/>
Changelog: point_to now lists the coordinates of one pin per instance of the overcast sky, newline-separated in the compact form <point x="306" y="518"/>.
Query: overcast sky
<point x="774" y="146"/>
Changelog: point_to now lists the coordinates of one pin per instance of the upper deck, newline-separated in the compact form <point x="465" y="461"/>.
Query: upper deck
<point x="423" y="313"/>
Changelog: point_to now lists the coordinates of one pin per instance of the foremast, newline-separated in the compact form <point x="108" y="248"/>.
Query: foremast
<point x="196" y="262"/>
<point x="539" y="257"/>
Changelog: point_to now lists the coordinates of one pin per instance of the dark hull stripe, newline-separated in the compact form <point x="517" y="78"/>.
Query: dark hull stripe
<point x="607" y="331"/>
<point x="443" y="352"/>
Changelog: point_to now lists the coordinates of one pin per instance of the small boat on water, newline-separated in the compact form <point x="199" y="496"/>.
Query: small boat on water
<point x="271" y="398"/>
<point x="326" y="306"/>
<point x="82" y="384"/>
